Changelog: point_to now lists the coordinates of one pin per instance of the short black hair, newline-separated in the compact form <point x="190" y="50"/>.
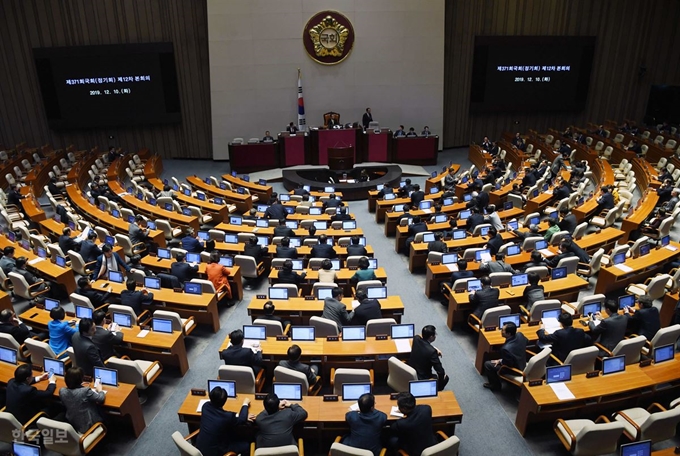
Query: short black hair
<point x="83" y="282"/>
<point x="285" y="241"/>
<point x="294" y="352"/>
<point x="57" y="313"/>
<point x="337" y="292"/>
<point x="5" y="315"/>
<point x="218" y="396"/>
<point x="98" y="317"/>
<point x="366" y="402"/>
<point x="462" y="264"/>
<point x="282" y="221"/>
<point x="533" y="278"/>
<point x="287" y="265"/>
<point x="131" y="284"/>
<point x="85" y="325"/>
<point x="269" y="308"/>
<point x="271" y="403"/>
<point x="355" y="240"/>
<point x="646" y="301"/>
<point x="322" y="239"/>
<point x="74" y="378"/>
<point x="236" y="337"/>
<point x="510" y="328"/>
<point x="611" y="306"/>
<point x="363" y="263"/>
<point x="22" y="373"/>
<point x="20" y="262"/>
<point x="326" y="264"/>
<point x="565" y="319"/>
<point x="9" y="250"/>
<point x="406" y="402"/>
<point x="486" y="281"/>
<point x="106" y="248"/>
<point x="361" y="295"/>
<point x="536" y="256"/>
<point x="428" y="331"/>
<point x="180" y="257"/>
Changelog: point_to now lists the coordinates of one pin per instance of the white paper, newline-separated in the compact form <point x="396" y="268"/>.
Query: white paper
<point x="143" y="333"/>
<point x="355" y="304"/>
<point x="428" y="210"/>
<point x="395" y="412"/>
<point x="402" y="345"/>
<point x="562" y="391"/>
<point x="84" y="234"/>
<point x="35" y="260"/>
<point x="550" y="325"/>
<point x="485" y="257"/>
<point x="255" y="229"/>
<point x="596" y="322"/>
<point x="199" y="407"/>
<point x="672" y="248"/>
<point x="354" y="407"/>
<point x="451" y="267"/>
<point x="623" y="267"/>
<point x="546" y="253"/>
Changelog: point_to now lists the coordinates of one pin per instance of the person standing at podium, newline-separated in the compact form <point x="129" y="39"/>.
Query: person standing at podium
<point x="291" y="128"/>
<point x="367" y="119"/>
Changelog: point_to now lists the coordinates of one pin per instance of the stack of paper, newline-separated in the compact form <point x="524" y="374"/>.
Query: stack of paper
<point x="403" y="345"/>
<point x="550" y="325"/>
<point x="562" y="391"/>
<point x="623" y="267"/>
<point x="395" y="412"/>
<point x="672" y="248"/>
<point x="35" y="260"/>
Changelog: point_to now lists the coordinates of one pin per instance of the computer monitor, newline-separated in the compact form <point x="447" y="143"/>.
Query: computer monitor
<point x="403" y="331"/>
<point x="512" y="318"/>
<point x="626" y="301"/>
<point x="169" y="207"/>
<point x="425" y="204"/>
<point x="534" y="220"/>
<point x="483" y="231"/>
<point x="643" y="448"/>
<point x="474" y="285"/>
<point x="115" y="213"/>
<point x="513" y="225"/>
<point x="231" y="239"/>
<point x="302" y="333"/>
<point x="376" y="292"/>
<point x="552" y="313"/>
<point x="557" y="374"/>
<point x="320" y="225"/>
<point x="187" y="192"/>
<point x="479" y="254"/>
<point x="428" y="237"/>
<point x="51" y="303"/>
<point x="353" y="391"/>
<point x="465" y="214"/>
<point x="288" y="391"/>
<point x="11" y="236"/>
<point x="324" y="292"/>
<point x="164" y="254"/>
<point x="235" y="220"/>
<point x="613" y="364"/>
<point x="398" y="208"/>
<point x="513" y="250"/>
<point x="193" y="258"/>
<point x="353" y="333"/>
<point x="592" y="308"/>
<point x="41" y="252"/>
<point x="665" y="241"/>
<point x="227" y="261"/>
<point x="61" y="261"/>
<point x="8" y="355"/>
<point x="372" y="263"/>
<point x="316" y="210"/>
<point x="161" y="325"/>
<point x="107" y="376"/>
<point x="329" y="189"/>
<point x="619" y="258"/>
<point x="254" y="332"/>
<point x="434" y="190"/>
<point x="262" y="207"/>
<point x="278" y="293"/>
<point x="423" y="388"/>
<point x="349" y="225"/>
<point x="262" y="223"/>
<point x="53" y="365"/>
<point x="440" y="218"/>
<point x="297" y="265"/>
<point x="335" y="264"/>
<point x="151" y="225"/>
<point x="193" y="288"/>
<point x="83" y="312"/>
<point x="110" y="240"/>
<point x="241" y="191"/>
<point x="447" y="202"/>
<point x="116" y="276"/>
<point x="204" y="235"/>
<point x="559" y="273"/>
<point x="508" y="204"/>
<point x="131" y="218"/>
<point x="540" y="245"/>
<point x="227" y="385"/>
<point x="25" y="449"/>
<point x="459" y="234"/>
<point x="292" y="224"/>
<point x="467" y="197"/>
<point x="449" y="258"/>
<point x="379" y="187"/>
<point x="152" y="282"/>
<point x="122" y="319"/>
<point x="519" y="279"/>
<point x="284" y="197"/>
<point x="664" y="353"/>
<point x="200" y="196"/>
<point x="246" y="178"/>
<point x="644" y="249"/>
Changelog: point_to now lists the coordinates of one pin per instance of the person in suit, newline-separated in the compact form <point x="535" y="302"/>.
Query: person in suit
<point x="365" y="425"/>
<point x="269" y="308"/>
<point x="87" y="354"/>
<point x="368" y="309"/>
<point x="486" y="143"/>
<point x="81" y="402"/>
<point x="476" y="218"/>
<point x="400" y="132"/>
<point x="494" y="218"/>
<point x="418" y="226"/>
<point x="31" y="279"/>
<point x="437" y="245"/>
<point x="566" y="339"/>
<point x="497" y="266"/>
<point x="426" y="131"/>
<point x="568" y="222"/>
<point x="322" y="249"/>
<point x="267" y="137"/>
<point x="425" y="357"/>
<point x="252" y="249"/>
<point x="218" y="275"/>
<point x="284" y="250"/>
<point x="355" y="249"/>
<point x="341" y="216"/>
<point x="417" y="196"/>
<point x="294" y="354"/>
<point x="646" y="317"/>
<point x="300" y="190"/>
<point x="23" y="400"/>
<point x="97" y="298"/>
<point x="8" y="262"/>
<point x="605" y="201"/>
<point x="238" y="355"/>
<point x="517" y="140"/>
<point x="563" y="191"/>
<point x="334" y="309"/>
<point x="611" y="328"/>
<point x="669" y="205"/>
<point x="283" y="230"/>
<point x="534" y="291"/>
<point x="134" y="298"/>
<point x="183" y="270"/>
<point x="411" y="133"/>
<point x="557" y="165"/>
<point x="564" y="252"/>
<point x="495" y="241"/>
<point x="601" y="131"/>
<point x="461" y="273"/>
<point x="484" y="299"/>
<point x="53" y="188"/>
<point x="108" y="260"/>
<point x="276" y="422"/>
<point x="332" y="201"/>
<point x="105" y="339"/>
<point x="276" y="211"/>
<point x="405" y="189"/>
<point x="367" y="118"/>
<point x="291" y="128"/>
<point x="288" y="275"/>
<point x="573" y="247"/>
<point x="191" y="242"/>
<point x="89" y="250"/>
<point x="513" y="354"/>
<point x="66" y="242"/>
<point x="139" y="233"/>
<point x="413" y="433"/>
<point x="10" y="324"/>
<point x="219" y="428"/>
<point x="14" y="197"/>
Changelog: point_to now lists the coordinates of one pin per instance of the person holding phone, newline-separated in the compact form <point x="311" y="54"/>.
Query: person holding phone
<point x="81" y="402"/>
<point x="24" y="400"/>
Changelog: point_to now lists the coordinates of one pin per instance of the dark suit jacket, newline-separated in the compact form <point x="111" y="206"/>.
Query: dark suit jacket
<point x="89" y="251"/>
<point x="323" y="251"/>
<point x="365" y="430"/>
<point x="97" y="298"/>
<point x="366" y="119"/>
<point x="67" y="243"/>
<point x="337" y="311"/>
<point x="483" y="299"/>
<point x="332" y="203"/>
<point x="473" y="221"/>
<point x="353" y="250"/>
<point x="277" y="429"/>
<point x="415" y="430"/>
<point x="283" y="230"/>
<point x="416" y="228"/>
<point x="241" y="356"/>
<point x="286" y="252"/>
<point x="293" y="277"/>
<point x="565" y="340"/>
<point x="368" y="310"/>
<point x="568" y="223"/>
<point x="300" y="367"/>
<point x="136" y="299"/>
<point x="513" y="351"/>
<point x="105" y="340"/>
<point x="424" y="358"/>
<point x="649" y="322"/>
<point x="482" y="200"/>
<point x="88" y="355"/>
<point x="19" y="332"/>
<point x="552" y="262"/>
<point x="437" y="246"/>
<point x="183" y="271"/>
<point x="529" y="180"/>
<point x="276" y="211"/>
<point x="562" y="192"/>
<point x="417" y="197"/>
<point x="495" y="244"/>
<point x="255" y="251"/>
<point x="611" y="330"/>
<point x="119" y="261"/>
<point x="455" y="275"/>
<point x="191" y="244"/>
<point x="25" y="401"/>
<point x="218" y="429"/>
<point x="606" y="201"/>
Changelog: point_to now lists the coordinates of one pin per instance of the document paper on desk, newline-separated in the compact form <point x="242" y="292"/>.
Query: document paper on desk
<point x="143" y="333"/>
<point x="623" y="267"/>
<point x="199" y="407"/>
<point x="550" y="325"/>
<point x="562" y="391"/>
<point x="453" y="267"/>
<point x="35" y="260"/>
<point x="547" y="253"/>
<point x="355" y="304"/>
<point x="402" y="345"/>
<point x="394" y="411"/>
<point x="672" y="248"/>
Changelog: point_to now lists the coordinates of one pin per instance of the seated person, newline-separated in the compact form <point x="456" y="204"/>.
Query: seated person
<point x="513" y="354"/>
<point x="355" y="248"/>
<point x="66" y="242"/>
<point x="418" y="226"/>
<point x="191" y="242"/>
<point x="534" y="291"/>
<point x="327" y="274"/>
<point x="60" y="331"/>
<point x="437" y="245"/>
<point x="109" y="261"/>
<point x="413" y="433"/>
<point x="461" y="273"/>
<point x="81" y="402"/>
<point x="536" y="260"/>
<point x="284" y="250"/>
<point x="411" y="133"/>
<point x="10" y="324"/>
<point x="497" y="266"/>
<point x="283" y="230"/>
<point x="322" y="249"/>
<point x="566" y="339"/>
<point x="220" y="431"/>
<point x="218" y="275"/>
<point x="23" y="400"/>
<point x="276" y="422"/>
<point x="287" y="275"/>
<point x="89" y="250"/>
<point x="424" y="357"/>
<point x="484" y="299"/>
<point x="646" y="317"/>
<point x="553" y="228"/>
<point x="106" y="338"/>
<point x="334" y="309"/>
<point x="368" y="309"/>
<point x="97" y="298"/>
<point x="134" y="298"/>
<point x="238" y="355"/>
<point x="365" y="425"/>
<point x="293" y="362"/>
<point x="611" y="328"/>
<point x="183" y="270"/>
<point x="33" y="281"/>
<point x="363" y="273"/>
<point x="341" y="216"/>
<point x="495" y="241"/>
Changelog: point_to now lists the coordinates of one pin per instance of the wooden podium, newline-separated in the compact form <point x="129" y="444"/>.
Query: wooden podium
<point x="340" y="158"/>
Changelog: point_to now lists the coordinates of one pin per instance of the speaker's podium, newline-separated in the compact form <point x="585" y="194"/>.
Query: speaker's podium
<point x="324" y="140"/>
<point x="340" y="158"/>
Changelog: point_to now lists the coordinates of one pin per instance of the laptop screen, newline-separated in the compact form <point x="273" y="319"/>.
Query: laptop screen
<point x="644" y="249"/>
<point x="349" y="225"/>
<point x="558" y="374"/>
<point x="288" y="391"/>
<point x="164" y="254"/>
<point x="61" y="261"/>
<point x="513" y="250"/>
<point x="540" y="245"/>
<point x="161" y="325"/>
<point x="53" y="365"/>
<point x="480" y="254"/>
<point x="262" y="207"/>
<point x="513" y="224"/>
<point x="353" y="333"/>
<point x="441" y="218"/>
<point x="552" y="313"/>
<point x="107" y="376"/>
<point x="643" y="448"/>
<point x="227" y="261"/>
<point x="51" y="303"/>
<point x="262" y="223"/>
<point x="404" y="331"/>
<point x="292" y="224"/>
<point x="193" y="257"/>
<point x="228" y="386"/>
<point x="110" y="240"/>
<point x="613" y="364"/>
<point x="353" y="391"/>
<point x="316" y="210"/>
<point x="372" y="263"/>
<point x="83" y="312"/>
<point x="254" y="332"/>
<point x="235" y="220"/>
<point x="425" y="204"/>
<point x="193" y="288"/>
<point x="423" y="388"/>
<point x="464" y="214"/>
<point x="474" y="284"/>
<point x="447" y="202"/>
<point x="116" y="276"/>
<point x="449" y="258"/>
<point x="25" y="449"/>
<point x="302" y="333"/>
<point x="559" y="273"/>
<point x="278" y="293"/>
<point x="151" y="225"/>
<point x="41" y="252"/>
<point x="665" y="241"/>
<point x="520" y="279"/>
<point x="263" y="241"/>
<point x="483" y="231"/>
<point x="664" y="353"/>
<point x="619" y="258"/>
<point x="152" y="282"/>
<point x="626" y="301"/>
<point x="8" y="355"/>
<point x="376" y="292"/>
<point x="122" y="319"/>
<point x="512" y="318"/>
<point x="592" y="308"/>
<point x="459" y="234"/>
<point x="204" y="235"/>
<point x="323" y="293"/>
<point x="428" y="237"/>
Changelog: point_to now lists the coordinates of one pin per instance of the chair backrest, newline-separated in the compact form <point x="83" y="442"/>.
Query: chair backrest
<point x="660" y="426"/>
<point x="571" y="263"/>
<point x="353" y="261"/>
<point x="364" y="284"/>
<point x="657" y="286"/>
<point x="9" y="425"/>
<point x="184" y="447"/>
<point x="500" y="278"/>
<point x="544" y="304"/>
<point x="379" y="326"/>
<point x="247" y="264"/>
<point x="582" y="360"/>
<point x="478" y="229"/>
<point x="598" y="438"/>
<point x="39" y="350"/>
<point x="174" y="317"/>
<point x="344" y="375"/>
<point x="448" y="447"/>
<point x="434" y="257"/>
<point x="77" y="262"/>
<point x="128" y="371"/>
<point x="535" y="368"/>
<point x="287" y="450"/>
<point x="630" y="348"/>
<point x="285" y="375"/>
<point x="338" y="449"/>
<point x="666" y="336"/>
<point x="599" y="297"/>
<point x="20" y="285"/>
<point x="556" y="238"/>
<point x="318" y="285"/>
<point x="80" y="300"/>
<point x="273" y="328"/>
<point x="490" y="316"/>
<point x="399" y="374"/>
<point x="127" y="310"/>
<point x="542" y="271"/>
<point x="469" y="254"/>
<point x="242" y="375"/>
<point x="324" y="327"/>
<point x="168" y="280"/>
<point x="69" y="443"/>
<point x="529" y="243"/>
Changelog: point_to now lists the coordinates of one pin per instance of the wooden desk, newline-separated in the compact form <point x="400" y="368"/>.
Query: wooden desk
<point x="383" y="206"/>
<point x="299" y="311"/>
<point x="31" y="205"/>
<point x="621" y="390"/>
<point x="243" y="202"/>
<point x="612" y="278"/>
<point x="335" y="234"/>
<point x="169" y="349"/>
<point x="565" y="289"/>
<point x="218" y="212"/>
<point x="343" y="276"/>
<point x="264" y="192"/>
<point x="670" y="301"/>
<point x="38" y="177"/>
<point x="120" y="401"/>
<point x="644" y="208"/>
<point x="5" y="301"/>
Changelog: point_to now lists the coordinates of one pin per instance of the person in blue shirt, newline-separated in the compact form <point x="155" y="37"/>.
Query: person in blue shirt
<point x="60" y="331"/>
<point x="191" y="243"/>
<point x="365" y="425"/>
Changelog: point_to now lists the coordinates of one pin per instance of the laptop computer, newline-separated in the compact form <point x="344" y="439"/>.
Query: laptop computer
<point x="8" y="355"/>
<point x="428" y="237"/>
<point x="54" y="366"/>
<point x="349" y="225"/>
<point x="153" y="283"/>
<point x="288" y="391"/>
<point x="278" y="293"/>
<point x="25" y="449"/>
<point x="110" y="240"/>
<point x="447" y="202"/>
<point x="513" y="225"/>
<point x="161" y="325"/>
<point x="227" y="385"/>
<point x="449" y="258"/>
<point x="302" y="333"/>
<point x="284" y="197"/>
<point x="193" y="288"/>
<point x="51" y="303"/>
<point x="353" y="333"/>
<point x="204" y="235"/>
<point x="116" y="276"/>
<point x="665" y="241"/>
<point x="297" y="265"/>
<point x="643" y="448"/>
<point x="440" y="218"/>
<point x="644" y="249"/>
<point x="329" y="189"/>
<point x="459" y="234"/>
<point x="480" y="255"/>
<point x="557" y="374"/>
<point x="376" y="292"/>
<point x="83" y="312"/>
<point x="107" y="376"/>
<point x="512" y="318"/>
<point x="592" y="308"/>
<point x="163" y="254"/>
<point x="423" y="388"/>
<point x="558" y="273"/>
<point x="552" y="313"/>
<point x="41" y="252"/>
<point x="262" y="223"/>
<point x="474" y="284"/>
<point x="254" y="332"/>
<point x="518" y="280"/>
<point x="227" y="261"/>
<point x="404" y="331"/>
<point x="626" y="301"/>
<point x="353" y="391"/>
<point x="423" y="205"/>
<point x="316" y="210"/>
<point x="619" y="258"/>
<point x="321" y="225"/>
<point x="292" y="224"/>
<point x="613" y="364"/>
<point x="463" y="215"/>
<point x="372" y="263"/>
<point x="231" y="239"/>
<point x="335" y="264"/>
<point x="122" y="319"/>
<point x="664" y="353"/>
<point x="235" y="220"/>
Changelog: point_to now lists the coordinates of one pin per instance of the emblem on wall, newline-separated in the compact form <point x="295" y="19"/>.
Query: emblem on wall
<point x="328" y="37"/>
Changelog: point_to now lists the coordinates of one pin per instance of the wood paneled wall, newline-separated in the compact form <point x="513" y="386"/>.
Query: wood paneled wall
<point x="27" y="24"/>
<point x="629" y="33"/>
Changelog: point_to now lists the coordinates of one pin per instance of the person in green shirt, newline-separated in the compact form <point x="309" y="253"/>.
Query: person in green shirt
<point x="554" y="228"/>
<point x="363" y="273"/>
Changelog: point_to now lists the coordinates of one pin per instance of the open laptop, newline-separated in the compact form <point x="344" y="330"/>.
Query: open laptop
<point x="302" y="333"/>
<point x="25" y="449"/>
<point x="298" y="265"/>
<point x="51" y="303"/>
<point x="107" y="376"/>
<point x="558" y="273"/>
<point x="664" y="353"/>
<point x="116" y="276"/>
<point x="83" y="312"/>
<point x="320" y="225"/>
<point x="353" y="333"/>
<point x="353" y="391"/>
<point x="263" y="241"/>
<point x="153" y="283"/>
<point x="592" y="308"/>
<point x="193" y="288"/>
<point x="643" y="448"/>
<point x="292" y="224"/>
<point x="513" y="225"/>
<point x="423" y="388"/>
<point x="619" y="258"/>
<point x="349" y="225"/>
<point x="512" y="318"/>
<point x="278" y="293"/>
<point x="482" y="255"/>
<point x="54" y="366"/>
<point x="228" y="385"/>
<point x="449" y="258"/>
<point x="644" y="249"/>
<point x="231" y="239"/>
<point x="235" y="220"/>
<point x="122" y="319"/>
<point x="372" y="263"/>
<point x="316" y="210"/>
<point x="288" y="391"/>
<point x="552" y="313"/>
<point x="428" y="237"/>
<point x="262" y="223"/>
<point x="161" y="325"/>
<point x="404" y="331"/>
<point x="459" y="234"/>
<point x="8" y="355"/>
<point x="376" y="292"/>
<point x="613" y="364"/>
<point x="557" y="374"/>
<point x="324" y="292"/>
<point x="518" y="280"/>
<point x="626" y="301"/>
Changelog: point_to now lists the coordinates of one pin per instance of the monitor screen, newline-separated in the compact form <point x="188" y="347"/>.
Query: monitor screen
<point x="464" y="214"/>
<point x="193" y="258"/>
<point x="186" y="211"/>
<point x="11" y="236"/>
<point x="474" y="285"/>
<point x="405" y="331"/>
<point x="428" y="237"/>
<point x="254" y="332"/>
<point x="169" y="207"/>
<point x="540" y="245"/>
<point x="107" y="376"/>
<point x="53" y="365"/>
<point x="449" y="258"/>
<point x="292" y="224"/>
<point x="193" y="288"/>
<point x="320" y="225"/>
<point x="619" y="258"/>
<point x="353" y="391"/>
<point x="425" y="205"/>
<point x="441" y="218"/>
<point x="433" y="190"/>
<point x="664" y="353"/>
<point x="110" y="240"/>
<point x="335" y="263"/>
<point x="297" y="265"/>
<point x="288" y="391"/>
<point x="302" y="333"/>
<point x="151" y="225"/>
<point x="115" y="213"/>
<point x="204" y="235"/>
<point x="161" y="325"/>
<point x="83" y="312"/>
<point x="643" y="448"/>
<point x="262" y="207"/>
<point x="644" y="249"/>
<point x="398" y="208"/>
<point x="295" y="242"/>
<point x="324" y="293"/>
<point x="520" y="279"/>
<point x="558" y="374"/>
<point x="423" y="388"/>
<point x="227" y="385"/>
<point x="592" y="308"/>
<point x="665" y="241"/>
<point x="512" y="318"/>
<point x="483" y="231"/>
<point x="25" y="449"/>
<point x="447" y="202"/>
<point x="553" y="313"/>
<point x="231" y="239"/>
<point x="534" y="221"/>
<point x="152" y="282"/>
<point x="284" y="197"/>
<point x="467" y="197"/>
<point x="122" y="319"/>
<point x="559" y="273"/>
<point x="41" y="252"/>
<point x="235" y="220"/>
<point x="219" y="201"/>
<point x="353" y="333"/>
<point x="227" y="261"/>
<point x="613" y="364"/>
<point x="8" y="355"/>
<point x="329" y="189"/>
<point x="349" y="225"/>
<point x="164" y="254"/>
<point x="61" y="261"/>
<point x="262" y="223"/>
<point x="376" y="292"/>
<point x="459" y="234"/>
<point x="379" y="187"/>
<point x="480" y="254"/>
<point x="278" y="293"/>
<point x="51" y="303"/>
<point x="513" y="250"/>
<point x="116" y="276"/>
<point x="372" y="263"/>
